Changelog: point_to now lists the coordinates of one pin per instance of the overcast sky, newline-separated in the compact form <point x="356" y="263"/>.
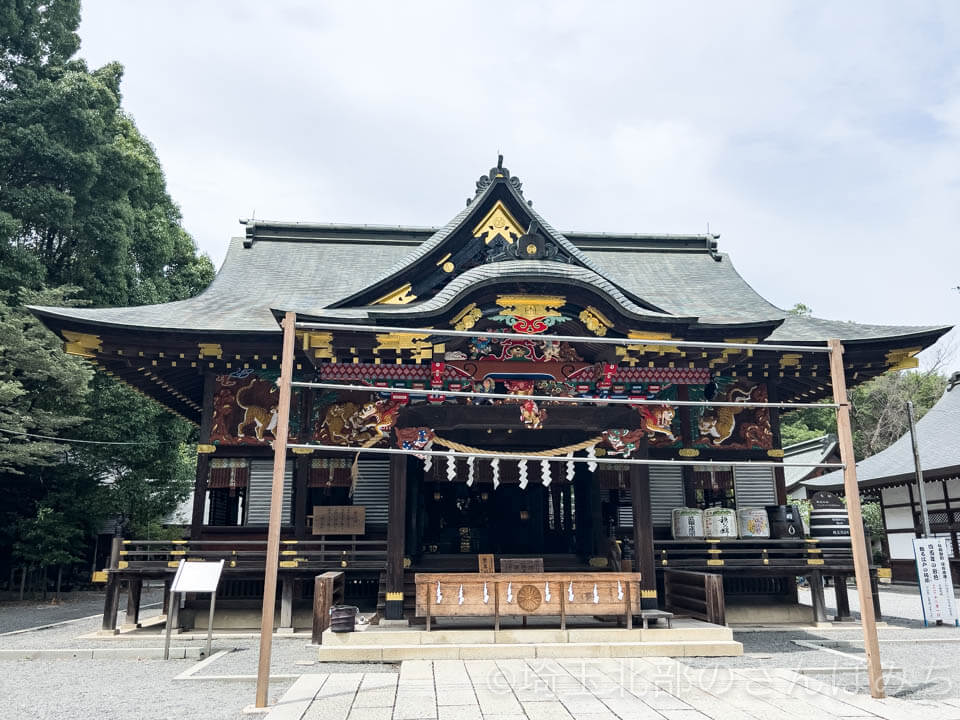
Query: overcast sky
<point x="822" y="140"/>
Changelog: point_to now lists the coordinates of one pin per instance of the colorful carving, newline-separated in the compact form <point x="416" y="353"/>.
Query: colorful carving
<point x="622" y="442"/>
<point x="595" y="321"/>
<point x="530" y="314"/>
<point x="658" y="420"/>
<point x="245" y="410"/>
<point x="528" y="349"/>
<point x="531" y="415"/>
<point x="352" y="424"/>
<point x="732" y="428"/>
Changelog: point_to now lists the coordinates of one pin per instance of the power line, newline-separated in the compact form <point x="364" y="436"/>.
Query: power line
<point x="87" y="442"/>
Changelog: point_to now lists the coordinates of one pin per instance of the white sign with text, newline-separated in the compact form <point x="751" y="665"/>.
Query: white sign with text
<point x="936" y="584"/>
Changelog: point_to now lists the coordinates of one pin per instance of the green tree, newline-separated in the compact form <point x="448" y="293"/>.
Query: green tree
<point x="878" y="411"/>
<point x="83" y="203"/>
<point x="42" y="391"/>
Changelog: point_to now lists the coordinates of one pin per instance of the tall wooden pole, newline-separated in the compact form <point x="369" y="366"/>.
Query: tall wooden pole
<point x="859" y="542"/>
<point x="276" y="508"/>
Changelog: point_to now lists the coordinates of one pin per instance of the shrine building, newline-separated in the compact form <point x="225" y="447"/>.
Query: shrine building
<point x="497" y="267"/>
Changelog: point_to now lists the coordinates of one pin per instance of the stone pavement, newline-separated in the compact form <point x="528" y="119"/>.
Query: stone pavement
<point x="595" y="689"/>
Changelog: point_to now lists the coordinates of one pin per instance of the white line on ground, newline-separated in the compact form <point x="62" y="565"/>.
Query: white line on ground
<point x="193" y="669"/>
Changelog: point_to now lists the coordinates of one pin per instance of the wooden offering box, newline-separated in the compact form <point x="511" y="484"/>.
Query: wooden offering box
<point x="525" y="594"/>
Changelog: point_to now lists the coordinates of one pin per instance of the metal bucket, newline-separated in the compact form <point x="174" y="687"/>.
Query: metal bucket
<point x="343" y="618"/>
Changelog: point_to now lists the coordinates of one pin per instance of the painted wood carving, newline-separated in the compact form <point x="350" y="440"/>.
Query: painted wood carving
<point x="732" y="428"/>
<point x="245" y="410"/>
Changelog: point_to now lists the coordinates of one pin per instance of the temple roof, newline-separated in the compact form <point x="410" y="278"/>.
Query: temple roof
<point x="497" y="248"/>
<point x="937" y="441"/>
<point x="798" y="457"/>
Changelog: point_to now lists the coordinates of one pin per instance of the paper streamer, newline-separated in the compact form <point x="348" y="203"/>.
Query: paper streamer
<point x="486" y="595"/>
<point x="451" y="467"/>
<point x="439" y="594"/>
<point x="470" y="471"/>
<point x="545" y="473"/>
<point x="510" y="592"/>
<point x="596" y="595"/>
<point x="592" y="453"/>
<point x="495" y="471"/>
<point x="570" y="591"/>
<point x="522" y="465"/>
<point x="546" y="592"/>
<point x="570" y="467"/>
<point x="619" y="591"/>
<point x="460" y="595"/>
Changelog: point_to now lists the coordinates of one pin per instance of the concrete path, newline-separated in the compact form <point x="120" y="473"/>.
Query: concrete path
<point x="596" y="689"/>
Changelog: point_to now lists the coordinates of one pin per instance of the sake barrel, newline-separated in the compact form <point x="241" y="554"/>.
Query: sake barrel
<point x="753" y="522"/>
<point x="343" y="618"/>
<point x="687" y="523"/>
<point x="828" y="517"/>
<point x="720" y="523"/>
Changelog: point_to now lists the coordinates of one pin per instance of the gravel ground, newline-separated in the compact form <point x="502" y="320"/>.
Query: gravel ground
<point x="15" y="615"/>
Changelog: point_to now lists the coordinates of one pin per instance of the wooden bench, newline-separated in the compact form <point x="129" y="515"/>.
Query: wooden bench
<point x="527" y="594"/>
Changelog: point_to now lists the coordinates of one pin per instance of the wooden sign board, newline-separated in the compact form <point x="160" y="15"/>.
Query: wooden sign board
<point x="485" y="563"/>
<point x="339" y="519"/>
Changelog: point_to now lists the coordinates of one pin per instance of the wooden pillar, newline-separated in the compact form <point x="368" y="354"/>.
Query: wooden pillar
<point x="134" y="590"/>
<point x="773" y="395"/>
<point x="568" y="513"/>
<point x="816" y="597"/>
<point x="276" y="511"/>
<point x="301" y="469"/>
<point x="861" y="559"/>
<point x="111" y="602"/>
<point x="643" y="533"/>
<point x="843" y="602"/>
<point x="598" y="533"/>
<point x="686" y="440"/>
<point x="203" y="458"/>
<point x="286" y="605"/>
<point x="395" y="536"/>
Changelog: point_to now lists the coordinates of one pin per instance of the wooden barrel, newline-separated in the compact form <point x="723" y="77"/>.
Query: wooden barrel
<point x="828" y="517"/>
<point x="343" y="618"/>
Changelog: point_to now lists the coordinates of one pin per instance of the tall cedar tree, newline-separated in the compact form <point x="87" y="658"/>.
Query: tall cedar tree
<point x="84" y="211"/>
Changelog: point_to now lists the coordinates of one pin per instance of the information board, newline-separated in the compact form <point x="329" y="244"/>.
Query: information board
<point x="936" y="584"/>
<point x="339" y="519"/>
<point x="201" y="577"/>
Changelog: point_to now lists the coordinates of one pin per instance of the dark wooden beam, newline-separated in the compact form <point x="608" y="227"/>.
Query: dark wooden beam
<point x="396" y="516"/>
<point x="203" y="459"/>
<point x="643" y="534"/>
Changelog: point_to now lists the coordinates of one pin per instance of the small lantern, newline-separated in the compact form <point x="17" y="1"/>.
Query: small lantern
<point x="524" y="515"/>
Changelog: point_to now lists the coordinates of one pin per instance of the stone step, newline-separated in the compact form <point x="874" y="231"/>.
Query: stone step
<point x="694" y="632"/>
<point x="504" y="651"/>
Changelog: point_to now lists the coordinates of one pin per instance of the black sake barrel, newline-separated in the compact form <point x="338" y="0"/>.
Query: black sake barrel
<point x="343" y="618"/>
<point x="785" y="522"/>
<point x="828" y="517"/>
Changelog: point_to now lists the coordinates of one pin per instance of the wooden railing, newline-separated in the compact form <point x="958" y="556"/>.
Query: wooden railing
<point x="766" y="555"/>
<point x="697" y="594"/>
<point x="321" y="554"/>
